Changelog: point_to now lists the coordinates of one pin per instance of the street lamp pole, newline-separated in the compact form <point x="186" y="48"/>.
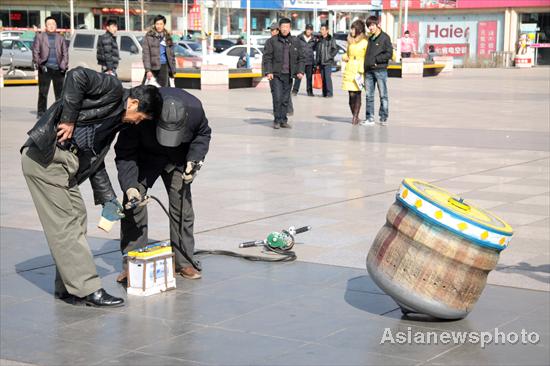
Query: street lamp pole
<point x="248" y="33"/>
<point x="406" y="15"/>
<point x="185" y="6"/>
<point x="126" y="15"/>
<point x="71" y="3"/>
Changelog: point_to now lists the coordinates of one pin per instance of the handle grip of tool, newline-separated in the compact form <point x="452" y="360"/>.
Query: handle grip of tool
<point x="303" y="229"/>
<point x="248" y="244"/>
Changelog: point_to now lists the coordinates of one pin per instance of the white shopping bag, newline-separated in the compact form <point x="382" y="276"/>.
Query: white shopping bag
<point x="153" y="81"/>
<point x="360" y="81"/>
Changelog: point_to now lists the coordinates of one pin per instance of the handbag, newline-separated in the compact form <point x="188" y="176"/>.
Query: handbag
<point x="317" y="80"/>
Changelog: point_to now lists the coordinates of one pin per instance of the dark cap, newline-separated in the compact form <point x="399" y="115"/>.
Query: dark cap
<point x="274" y="26"/>
<point x="171" y="125"/>
<point x="309" y="26"/>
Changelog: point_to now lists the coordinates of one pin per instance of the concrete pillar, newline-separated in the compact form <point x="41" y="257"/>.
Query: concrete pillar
<point x="513" y="32"/>
<point x="214" y="77"/>
<point x="387" y="23"/>
<point x="506" y="30"/>
<point x="412" y="67"/>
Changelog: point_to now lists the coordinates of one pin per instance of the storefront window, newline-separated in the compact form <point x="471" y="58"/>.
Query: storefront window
<point x="63" y="19"/>
<point x="19" y="18"/>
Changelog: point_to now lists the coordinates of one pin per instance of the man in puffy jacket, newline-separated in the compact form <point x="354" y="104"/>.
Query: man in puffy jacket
<point x="107" y="48"/>
<point x="67" y="146"/>
<point x="326" y="51"/>
<point x="308" y="47"/>
<point x="172" y="148"/>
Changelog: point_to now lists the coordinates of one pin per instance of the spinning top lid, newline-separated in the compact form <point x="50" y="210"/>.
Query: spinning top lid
<point x="453" y="213"/>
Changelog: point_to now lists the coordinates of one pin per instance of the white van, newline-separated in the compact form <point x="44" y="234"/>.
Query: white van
<point x="83" y="50"/>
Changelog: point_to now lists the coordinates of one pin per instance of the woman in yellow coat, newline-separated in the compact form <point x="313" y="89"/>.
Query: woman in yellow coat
<point x="354" y="73"/>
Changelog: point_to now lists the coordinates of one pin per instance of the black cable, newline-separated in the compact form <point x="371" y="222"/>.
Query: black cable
<point x="283" y="256"/>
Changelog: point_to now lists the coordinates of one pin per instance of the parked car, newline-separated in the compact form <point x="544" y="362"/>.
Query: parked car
<point x="338" y="57"/>
<point x="259" y="40"/>
<point x="11" y="34"/>
<point x="185" y="58"/>
<point x="231" y="56"/>
<point x="194" y="47"/>
<point x="83" y="50"/>
<point x="21" y="53"/>
<point x="221" y="45"/>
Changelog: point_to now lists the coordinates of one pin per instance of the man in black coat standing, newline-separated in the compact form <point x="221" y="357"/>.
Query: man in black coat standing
<point x="66" y="147"/>
<point x="308" y="46"/>
<point x="283" y="60"/>
<point x="326" y="51"/>
<point x="172" y="148"/>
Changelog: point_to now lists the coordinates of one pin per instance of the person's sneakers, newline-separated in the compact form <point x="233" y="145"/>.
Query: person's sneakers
<point x="276" y="125"/>
<point x="101" y="298"/>
<point x="190" y="273"/>
<point x="285" y="125"/>
<point x="367" y="122"/>
<point x="383" y="121"/>
<point x="294" y="93"/>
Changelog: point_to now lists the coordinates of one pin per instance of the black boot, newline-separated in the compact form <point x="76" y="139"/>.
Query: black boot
<point x="357" y="107"/>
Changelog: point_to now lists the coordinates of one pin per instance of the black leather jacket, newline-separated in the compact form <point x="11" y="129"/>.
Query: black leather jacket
<point x="272" y="61"/>
<point x="326" y="50"/>
<point x="88" y="97"/>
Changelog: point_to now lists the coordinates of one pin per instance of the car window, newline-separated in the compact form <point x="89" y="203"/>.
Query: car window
<point x="126" y="43"/>
<point x="17" y="45"/>
<point x="181" y="51"/>
<point x="84" y="41"/>
<point x="7" y="45"/>
<point x="197" y="47"/>
<point x="237" y="51"/>
<point x="254" y="52"/>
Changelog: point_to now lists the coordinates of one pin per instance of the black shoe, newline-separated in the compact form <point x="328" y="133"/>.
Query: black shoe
<point x="290" y="113"/>
<point x="285" y="125"/>
<point x="294" y="93"/>
<point x="276" y="125"/>
<point x="310" y="95"/>
<point x="101" y="298"/>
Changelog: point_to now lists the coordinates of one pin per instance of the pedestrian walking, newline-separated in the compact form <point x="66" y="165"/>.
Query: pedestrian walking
<point x="158" y="54"/>
<point x="308" y="47"/>
<point x="353" y="80"/>
<point x="326" y="51"/>
<point x="379" y="52"/>
<point x="50" y="56"/>
<point x="283" y="60"/>
<point x="66" y="147"/>
<point x="107" y="49"/>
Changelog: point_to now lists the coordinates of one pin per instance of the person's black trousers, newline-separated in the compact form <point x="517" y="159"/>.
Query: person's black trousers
<point x="44" y="81"/>
<point x="280" y="93"/>
<point x="309" y="81"/>
<point x="134" y="226"/>
<point x="326" y="75"/>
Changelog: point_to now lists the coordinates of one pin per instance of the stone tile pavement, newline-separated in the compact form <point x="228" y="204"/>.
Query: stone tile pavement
<point x="483" y="134"/>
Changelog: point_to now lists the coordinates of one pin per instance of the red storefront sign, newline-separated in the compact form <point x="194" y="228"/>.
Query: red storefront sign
<point x="194" y="17"/>
<point x="451" y="49"/>
<point x="486" y="38"/>
<point x="464" y="4"/>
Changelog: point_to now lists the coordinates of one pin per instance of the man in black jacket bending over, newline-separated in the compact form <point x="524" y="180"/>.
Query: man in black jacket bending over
<point x="172" y="148"/>
<point x="379" y="53"/>
<point x="283" y="60"/>
<point x="67" y="146"/>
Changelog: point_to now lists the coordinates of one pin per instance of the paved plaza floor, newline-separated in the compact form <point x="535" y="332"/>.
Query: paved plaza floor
<point x="481" y="133"/>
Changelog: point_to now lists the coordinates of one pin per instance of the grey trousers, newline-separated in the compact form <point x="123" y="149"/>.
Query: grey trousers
<point x="63" y="216"/>
<point x="134" y="226"/>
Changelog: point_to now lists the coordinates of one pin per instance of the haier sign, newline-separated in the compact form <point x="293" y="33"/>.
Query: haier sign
<point x="447" y="32"/>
